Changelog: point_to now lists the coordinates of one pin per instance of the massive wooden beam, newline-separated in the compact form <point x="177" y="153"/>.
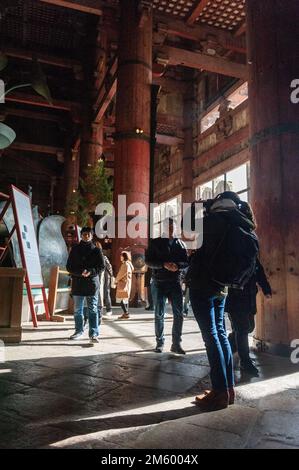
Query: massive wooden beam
<point x="199" y="33"/>
<point x="33" y="115"/>
<point x="106" y="100"/>
<point x="165" y="139"/>
<point x="170" y="120"/>
<point x="27" y="165"/>
<point x="199" y="7"/>
<point x="86" y="6"/>
<point x="36" y="100"/>
<point x="26" y="147"/>
<point x="170" y="85"/>
<point x="43" y="58"/>
<point x="197" y="60"/>
<point x="109" y="77"/>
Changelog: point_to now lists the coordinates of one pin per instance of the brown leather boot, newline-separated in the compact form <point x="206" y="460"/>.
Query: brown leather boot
<point x="213" y="400"/>
<point x="231" y="394"/>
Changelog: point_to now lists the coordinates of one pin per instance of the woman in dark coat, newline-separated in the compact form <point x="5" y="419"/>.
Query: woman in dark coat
<point x="241" y="308"/>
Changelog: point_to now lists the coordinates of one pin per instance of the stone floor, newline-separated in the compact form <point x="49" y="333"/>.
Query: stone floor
<point x="119" y="394"/>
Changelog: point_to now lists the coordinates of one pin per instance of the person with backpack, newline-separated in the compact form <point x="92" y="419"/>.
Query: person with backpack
<point x="241" y="308"/>
<point x="226" y="258"/>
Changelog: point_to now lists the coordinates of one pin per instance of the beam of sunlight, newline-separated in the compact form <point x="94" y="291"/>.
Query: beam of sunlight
<point x="268" y="387"/>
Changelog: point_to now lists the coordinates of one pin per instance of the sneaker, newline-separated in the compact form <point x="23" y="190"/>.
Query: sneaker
<point x="249" y="368"/>
<point x="177" y="349"/>
<point x="94" y="339"/>
<point x="76" y="336"/>
<point x="158" y="349"/>
<point x="124" y="316"/>
<point x="107" y="315"/>
<point x="149" y="308"/>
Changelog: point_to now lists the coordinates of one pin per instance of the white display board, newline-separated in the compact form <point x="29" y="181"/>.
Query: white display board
<point x="27" y="237"/>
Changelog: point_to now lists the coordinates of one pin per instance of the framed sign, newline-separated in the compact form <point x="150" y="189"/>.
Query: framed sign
<point x="27" y="237"/>
<point x="24" y="227"/>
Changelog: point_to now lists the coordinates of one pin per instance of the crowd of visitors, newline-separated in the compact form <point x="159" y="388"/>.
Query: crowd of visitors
<point x="221" y="276"/>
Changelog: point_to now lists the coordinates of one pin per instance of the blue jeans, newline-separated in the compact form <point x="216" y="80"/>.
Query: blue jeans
<point x="173" y="292"/>
<point x="209" y="314"/>
<point x="153" y="289"/>
<point x="92" y="306"/>
<point x="85" y="312"/>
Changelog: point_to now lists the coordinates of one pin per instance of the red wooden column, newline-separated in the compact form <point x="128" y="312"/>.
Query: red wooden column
<point x="133" y="100"/>
<point x="273" y="63"/>
<point x="71" y="175"/>
<point x="91" y="147"/>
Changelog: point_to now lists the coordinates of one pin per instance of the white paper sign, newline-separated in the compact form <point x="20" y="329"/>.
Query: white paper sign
<point x="27" y="237"/>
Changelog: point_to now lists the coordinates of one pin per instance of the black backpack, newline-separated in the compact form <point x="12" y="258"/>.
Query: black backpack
<point x="234" y="260"/>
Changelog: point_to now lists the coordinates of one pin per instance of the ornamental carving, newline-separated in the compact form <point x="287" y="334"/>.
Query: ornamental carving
<point x="165" y="168"/>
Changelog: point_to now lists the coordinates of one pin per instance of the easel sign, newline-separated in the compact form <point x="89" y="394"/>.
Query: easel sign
<point x="24" y="226"/>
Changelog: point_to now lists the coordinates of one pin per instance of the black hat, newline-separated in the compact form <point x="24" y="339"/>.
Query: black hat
<point x="86" y="229"/>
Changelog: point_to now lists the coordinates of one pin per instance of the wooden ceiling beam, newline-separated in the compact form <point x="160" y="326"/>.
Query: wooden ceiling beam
<point x="170" y="85"/>
<point x="106" y="95"/>
<point x="164" y="139"/>
<point x="199" y="33"/>
<point x="33" y="115"/>
<point x="36" y="100"/>
<point x="26" y="54"/>
<point x="28" y="164"/>
<point x="85" y="6"/>
<point x="199" y="7"/>
<point x="197" y="60"/>
<point x="26" y="147"/>
<point x="170" y="120"/>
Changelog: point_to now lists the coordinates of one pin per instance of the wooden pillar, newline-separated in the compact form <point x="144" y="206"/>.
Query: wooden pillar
<point x="133" y="101"/>
<point x="91" y="147"/>
<point x="188" y="155"/>
<point x="273" y="63"/>
<point x="71" y="175"/>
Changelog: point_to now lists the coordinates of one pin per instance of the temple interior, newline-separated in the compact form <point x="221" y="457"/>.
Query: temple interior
<point x="164" y="103"/>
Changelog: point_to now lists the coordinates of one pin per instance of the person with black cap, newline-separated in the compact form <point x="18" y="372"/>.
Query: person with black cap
<point x="224" y="225"/>
<point x="85" y="263"/>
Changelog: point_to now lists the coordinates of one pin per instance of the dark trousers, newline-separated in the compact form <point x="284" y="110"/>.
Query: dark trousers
<point x="124" y="306"/>
<point x="172" y="291"/>
<point x="209" y="314"/>
<point x="150" y="298"/>
<point x="242" y="325"/>
<point x="107" y="298"/>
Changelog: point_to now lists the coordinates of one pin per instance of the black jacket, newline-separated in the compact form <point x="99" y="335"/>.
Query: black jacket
<point x="85" y="256"/>
<point x="243" y="302"/>
<point x="214" y="226"/>
<point x="159" y="252"/>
